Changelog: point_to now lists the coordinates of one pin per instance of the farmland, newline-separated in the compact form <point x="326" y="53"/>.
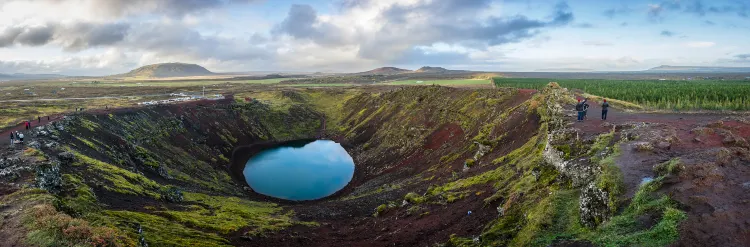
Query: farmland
<point x="665" y="95"/>
<point x="441" y="82"/>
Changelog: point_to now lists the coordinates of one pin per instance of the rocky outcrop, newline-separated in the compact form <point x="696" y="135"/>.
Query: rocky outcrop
<point x="593" y="205"/>
<point x="48" y="177"/>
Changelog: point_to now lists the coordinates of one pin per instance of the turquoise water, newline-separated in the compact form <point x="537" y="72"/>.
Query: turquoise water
<point x="313" y="171"/>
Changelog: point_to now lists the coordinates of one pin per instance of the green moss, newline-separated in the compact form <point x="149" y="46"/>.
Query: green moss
<point x="78" y="199"/>
<point x="611" y="180"/>
<point x="469" y="163"/>
<point x="413" y="198"/>
<point x="32" y="152"/>
<point x="119" y="180"/>
<point x="450" y="158"/>
<point x="160" y="231"/>
<point x="602" y="141"/>
<point x="672" y="166"/>
<point x="229" y="214"/>
<point x="380" y="210"/>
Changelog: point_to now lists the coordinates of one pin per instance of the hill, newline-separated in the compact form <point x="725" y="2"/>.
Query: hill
<point x="385" y="71"/>
<point x="21" y="76"/>
<point x="428" y="69"/>
<point x="162" y="70"/>
<point x="703" y="69"/>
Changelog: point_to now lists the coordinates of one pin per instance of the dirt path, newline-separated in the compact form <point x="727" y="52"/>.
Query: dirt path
<point x="5" y="135"/>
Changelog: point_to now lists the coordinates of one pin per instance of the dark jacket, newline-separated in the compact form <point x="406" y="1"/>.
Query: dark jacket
<point x="605" y="106"/>
<point x="579" y="106"/>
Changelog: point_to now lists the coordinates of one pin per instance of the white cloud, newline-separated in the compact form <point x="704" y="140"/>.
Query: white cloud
<point x="700" y="44"/>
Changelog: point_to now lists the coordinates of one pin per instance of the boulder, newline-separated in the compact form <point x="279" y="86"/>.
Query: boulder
<point x="48" y="177"/>
<point x="593" y="206"/>
<point x="171" y="194"/>
<point x="66" y="158"/>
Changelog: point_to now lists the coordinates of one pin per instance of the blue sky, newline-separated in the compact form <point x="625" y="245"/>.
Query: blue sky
<point x="99" y="37"/>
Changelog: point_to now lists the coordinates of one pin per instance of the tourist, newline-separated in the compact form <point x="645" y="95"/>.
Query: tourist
<point x="20" y="137"/>
<point x="605" y="109"/>
<point x="579" y="109"/>
<point x="585" y="108"/>
<point x="11" y="138"/>
<point x="39" y="119"/>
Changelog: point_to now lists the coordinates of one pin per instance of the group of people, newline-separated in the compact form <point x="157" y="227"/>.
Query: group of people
<point x="16" y="136"/>
<point x="583" y="107"/>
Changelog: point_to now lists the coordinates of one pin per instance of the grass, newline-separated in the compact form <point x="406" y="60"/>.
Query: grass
<point x="119" y="180"/>
<point x="229" y="214"/>
<point x="442" y="82"/>
<point x="161" y="231"/>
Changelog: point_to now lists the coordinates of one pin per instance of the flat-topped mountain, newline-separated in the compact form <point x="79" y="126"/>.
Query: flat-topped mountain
<point x="168" y="70"/>
<point x="385" y="71"/>
<point x="428" y="69"/>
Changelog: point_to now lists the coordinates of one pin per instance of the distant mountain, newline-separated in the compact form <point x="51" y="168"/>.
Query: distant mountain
<point x="22" y="76"/>
<point x="385" y="71"/>
<point x="162" y="70"/>
<point x="699" y="69"/>
<point x="428" y="69"/>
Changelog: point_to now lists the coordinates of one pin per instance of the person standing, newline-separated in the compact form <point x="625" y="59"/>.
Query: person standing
<point x="579" y="109"/>
<point x="605" y="109"/>
<point x="11" y="138"/>
<point x="20" y="137"/>
<point x="585" y="109"/>
<point x="39" y="119"/>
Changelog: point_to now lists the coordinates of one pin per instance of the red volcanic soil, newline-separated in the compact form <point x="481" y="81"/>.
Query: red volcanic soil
<point x="714" y="186"/>
<point x="447" y="133"/>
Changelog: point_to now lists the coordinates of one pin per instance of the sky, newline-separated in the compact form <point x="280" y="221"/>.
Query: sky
<point x="102" y="37"/>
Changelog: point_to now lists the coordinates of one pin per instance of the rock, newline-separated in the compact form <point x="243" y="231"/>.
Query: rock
<point x="663" y="145"/>
<point x="54" y="137"/>
<point x="66" y="158"/>
<point x="163" y="172"/>
<point x="746" y="185"/>
<point x="593" y="205"/>
<point x="248" y="189"/>
<point x="50" y="144"/>
<point x="500" y="211"/>
<point x="171" y="194"/>
<point x="48" y="177"/>
<point x="643" y="146"/>
<point x="34" y="144"/>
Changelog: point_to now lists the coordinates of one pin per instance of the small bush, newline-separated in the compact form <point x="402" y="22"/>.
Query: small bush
<point x="469" y="163"/>
<point x="380" y="210"/>
<point x="413" y="198"/>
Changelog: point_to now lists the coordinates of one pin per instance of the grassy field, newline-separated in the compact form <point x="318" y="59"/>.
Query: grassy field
<point x="175" y="83"/>
<point x="655" y="94"/>
<point x="442" y="82"/>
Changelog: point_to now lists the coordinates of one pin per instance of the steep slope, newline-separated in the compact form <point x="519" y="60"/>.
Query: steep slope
<point x="168" y="70"/>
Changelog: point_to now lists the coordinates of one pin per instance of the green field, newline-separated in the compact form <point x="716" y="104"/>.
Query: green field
<point x="441" y="82"/>
<point x="176" y="83"/>
<point x="655" y="94"/>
